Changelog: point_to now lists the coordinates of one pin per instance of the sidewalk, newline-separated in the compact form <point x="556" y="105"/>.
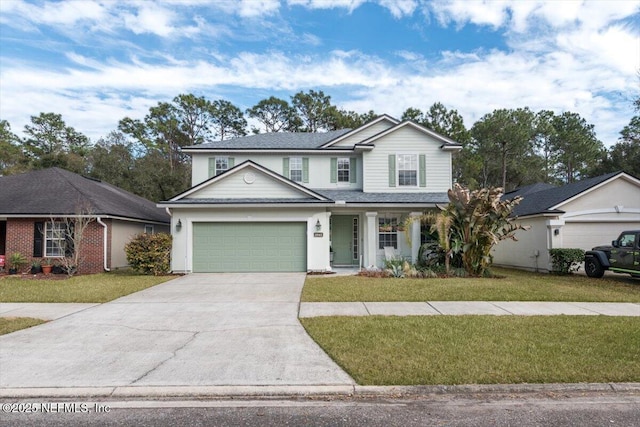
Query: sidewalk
<point x="52" y="311"/>
<point x="456" y="308"/>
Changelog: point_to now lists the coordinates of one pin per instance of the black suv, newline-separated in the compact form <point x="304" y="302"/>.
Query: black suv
<point x="623" y="256"/>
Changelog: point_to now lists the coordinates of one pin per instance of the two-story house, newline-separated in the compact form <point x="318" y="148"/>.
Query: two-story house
<point x="309" y="201"/>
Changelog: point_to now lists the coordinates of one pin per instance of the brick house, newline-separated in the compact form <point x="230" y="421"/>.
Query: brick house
<point x="36" y="207"/>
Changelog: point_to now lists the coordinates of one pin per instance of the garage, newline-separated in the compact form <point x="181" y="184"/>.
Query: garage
<point x="585" y="235"/>
<point x="249" y="247"/>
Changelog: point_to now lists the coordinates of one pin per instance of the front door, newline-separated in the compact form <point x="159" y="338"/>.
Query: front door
<point x="344" y="238"/>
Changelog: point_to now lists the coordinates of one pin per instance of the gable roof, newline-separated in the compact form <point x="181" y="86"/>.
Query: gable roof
<point x="56" y="191"/>
<point x="547" y="200"/>
<point x="447" y="143"/>
<point x="383" y="117"/>
<point x="272" y="141"/>
<point x="248" y="164"/>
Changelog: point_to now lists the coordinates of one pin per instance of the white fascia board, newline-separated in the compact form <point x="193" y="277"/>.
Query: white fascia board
<point x="447" y="142"/>
<point x="265" y="151"/>
<point x="621" y="175"/>
<point x="55" y="215"/>
<point x="256" y="166"/>
<point x="361" y="128"/>
<point x="244" y="205"/>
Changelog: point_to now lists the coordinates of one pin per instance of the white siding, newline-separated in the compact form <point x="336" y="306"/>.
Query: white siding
<point x="319" y="168"/>
<point x="619" y="192"/>
<point x="235" y="187"/>
<point x="406" y="140"/>
<point x="522" y="253"/>
<point x="364" y="134"/>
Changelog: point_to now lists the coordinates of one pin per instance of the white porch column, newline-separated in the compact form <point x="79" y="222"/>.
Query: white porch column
<point x="371" y="239"/>
<point x="415" y="235"/>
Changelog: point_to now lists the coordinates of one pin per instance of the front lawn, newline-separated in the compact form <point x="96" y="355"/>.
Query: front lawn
<point x="12" y="324"/>
<point x="95" y="288"/>
<point x="515" y="285"/>
<point x="414" y="350"/>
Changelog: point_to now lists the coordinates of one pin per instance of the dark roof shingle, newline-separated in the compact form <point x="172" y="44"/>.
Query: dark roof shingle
<point x="273" y="141"/>
<point x="55" y="191"/>
<point x="537" y="202"/>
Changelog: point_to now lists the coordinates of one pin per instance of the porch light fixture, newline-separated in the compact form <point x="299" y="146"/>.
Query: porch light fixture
<point x="318" y="225"/>
<point x="178" y="225"/>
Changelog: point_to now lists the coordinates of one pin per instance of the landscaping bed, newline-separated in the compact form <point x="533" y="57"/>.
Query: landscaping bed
<point x="415" y="350"/>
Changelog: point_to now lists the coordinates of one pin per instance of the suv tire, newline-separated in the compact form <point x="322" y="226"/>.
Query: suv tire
<point x="593" y="268"/>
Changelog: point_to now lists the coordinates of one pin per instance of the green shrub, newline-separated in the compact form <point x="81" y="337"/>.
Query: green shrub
<point x="150" y="253"/>
<point x="566" y="261"/>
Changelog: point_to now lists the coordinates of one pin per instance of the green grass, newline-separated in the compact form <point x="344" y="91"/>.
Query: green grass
<point x="516" y="285"/>
<point x="95" y="288"/>
<point x="416" y="350"/>
<point x="12" y="324"/>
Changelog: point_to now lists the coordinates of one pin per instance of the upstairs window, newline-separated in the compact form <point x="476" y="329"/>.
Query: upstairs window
<point x="222" y="164"/>
<point x="407" y="170"/>
<point x="344" y="166"/>
<point x="295" y="169"/>
<point x="218" y="165"/>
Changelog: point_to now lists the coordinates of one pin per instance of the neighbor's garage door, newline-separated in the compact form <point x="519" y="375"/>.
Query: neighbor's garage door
<point x="249" y="246"/>
<point x="586" y="235"/>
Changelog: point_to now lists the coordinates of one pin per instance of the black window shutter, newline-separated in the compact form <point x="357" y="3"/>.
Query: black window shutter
<point x="38" y="240"/>
<point x="68" y="237"/>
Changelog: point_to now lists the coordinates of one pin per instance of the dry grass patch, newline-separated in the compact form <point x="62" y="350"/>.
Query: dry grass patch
<point x="512" y="285"/>
<point x="12" y="324"/>
<point x="415" y="350"/>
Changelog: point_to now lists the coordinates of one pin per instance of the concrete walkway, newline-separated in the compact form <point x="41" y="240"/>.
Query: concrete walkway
<point x="534" y="308"/>
<point x="47" y="311"/>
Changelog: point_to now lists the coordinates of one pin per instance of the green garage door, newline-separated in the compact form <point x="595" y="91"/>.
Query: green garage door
<point x="249" y="246"/>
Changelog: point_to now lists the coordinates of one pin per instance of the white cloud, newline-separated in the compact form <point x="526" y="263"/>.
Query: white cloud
<point x="150" y="19"/>
<point x="399" y="8"/>
<point x="519" y="16"/>
<point x="253" y="8"/>
<point x="350" y="5"/>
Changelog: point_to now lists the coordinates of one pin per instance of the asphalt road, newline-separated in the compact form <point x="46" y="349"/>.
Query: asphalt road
<point x="527" y="409"/>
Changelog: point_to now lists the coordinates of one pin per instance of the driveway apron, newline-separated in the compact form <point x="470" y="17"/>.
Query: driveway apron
<point x="200" y="329"/>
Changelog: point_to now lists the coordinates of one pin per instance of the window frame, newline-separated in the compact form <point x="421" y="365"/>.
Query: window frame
<point x="413" y="161"/>
<point x="388" y="238"/>
<point x="345" y="161"/>
<point x="296" y="161"/>
<point x="61" y="238"/>
<point x="150" y="229"/>
<point x="218" y="171"/>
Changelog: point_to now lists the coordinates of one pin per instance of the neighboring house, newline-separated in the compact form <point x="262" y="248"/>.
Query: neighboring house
<point x="309" y="201"/>
<point x="34" y="207"/>
<point x="579" y="215"/>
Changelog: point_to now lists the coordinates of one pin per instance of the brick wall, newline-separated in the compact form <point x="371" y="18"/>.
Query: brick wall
<point x="20" y="234"/>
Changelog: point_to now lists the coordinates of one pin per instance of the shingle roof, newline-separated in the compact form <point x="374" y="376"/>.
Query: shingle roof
<point x="348" y="196"/>
<point x="357" y="196"/>
<point x="55" y="191"/>
<point x="537" y="202"/>
<point x="273" y="141"/>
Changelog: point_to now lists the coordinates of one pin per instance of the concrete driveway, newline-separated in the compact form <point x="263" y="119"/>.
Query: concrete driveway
<point x="197" y="330"/>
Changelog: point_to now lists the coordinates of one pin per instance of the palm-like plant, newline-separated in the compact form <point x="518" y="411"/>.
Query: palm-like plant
<point x="473" y="222"/>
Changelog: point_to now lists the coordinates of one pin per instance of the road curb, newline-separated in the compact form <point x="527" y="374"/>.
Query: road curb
<point x="297" y="391"/>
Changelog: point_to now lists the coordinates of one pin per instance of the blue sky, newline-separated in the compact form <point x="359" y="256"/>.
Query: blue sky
<point x="96" y="62"/>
